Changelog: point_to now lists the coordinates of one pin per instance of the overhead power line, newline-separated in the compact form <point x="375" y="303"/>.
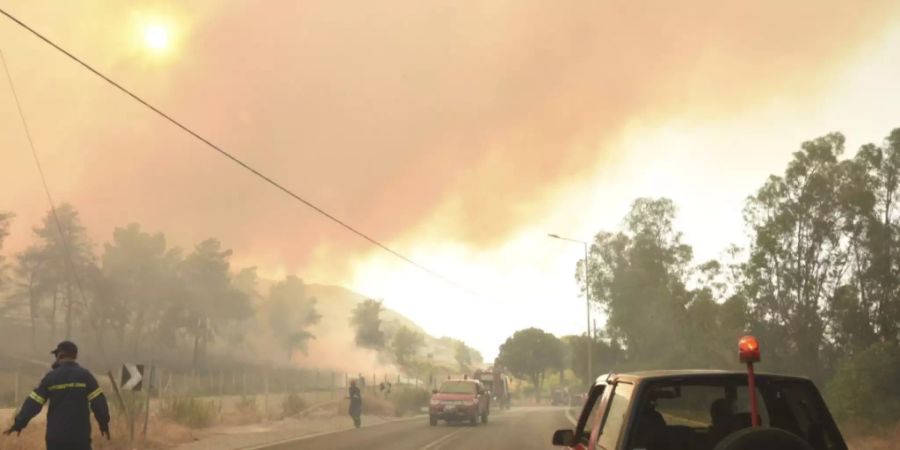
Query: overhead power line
<point x="67" y="247"/>
<point x="231" y="157"/>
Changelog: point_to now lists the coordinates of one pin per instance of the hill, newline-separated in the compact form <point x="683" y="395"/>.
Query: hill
<point x="334" y="345"/>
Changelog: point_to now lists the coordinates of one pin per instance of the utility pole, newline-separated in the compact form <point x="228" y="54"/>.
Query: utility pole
<point x="587" y="300"/>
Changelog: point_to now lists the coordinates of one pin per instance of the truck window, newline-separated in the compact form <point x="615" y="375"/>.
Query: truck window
<point x="615" y="417"/>
<point x="697" y="413"/>
<point x="796" y="407"/>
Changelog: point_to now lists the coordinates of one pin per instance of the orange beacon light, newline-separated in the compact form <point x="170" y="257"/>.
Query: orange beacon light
<point x="748" y="351"/>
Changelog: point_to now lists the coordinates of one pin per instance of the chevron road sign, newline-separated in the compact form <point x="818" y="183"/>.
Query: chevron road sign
<point x="132" y="377"/>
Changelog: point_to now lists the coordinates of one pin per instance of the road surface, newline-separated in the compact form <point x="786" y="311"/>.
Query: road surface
<point x="520" y="428"/>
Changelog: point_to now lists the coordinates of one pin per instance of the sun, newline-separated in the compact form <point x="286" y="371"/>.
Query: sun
<point x="157" y="37"/>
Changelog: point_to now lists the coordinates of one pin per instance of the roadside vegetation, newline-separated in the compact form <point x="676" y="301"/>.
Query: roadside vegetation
<point x="189" y="411"/>
<point x="817" y="284"/>
<point x="293" y="404"/>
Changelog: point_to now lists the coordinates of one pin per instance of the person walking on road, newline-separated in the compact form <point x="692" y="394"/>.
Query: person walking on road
<point x="355" y="404"/>
<point x="71" y="391"/>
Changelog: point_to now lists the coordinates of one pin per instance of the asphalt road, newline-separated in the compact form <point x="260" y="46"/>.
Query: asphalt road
<point x="520" y="428"/>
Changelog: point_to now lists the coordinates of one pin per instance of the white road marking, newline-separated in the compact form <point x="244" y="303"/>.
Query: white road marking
<point x="326" y="433"/>
<point x="437" y="444"/>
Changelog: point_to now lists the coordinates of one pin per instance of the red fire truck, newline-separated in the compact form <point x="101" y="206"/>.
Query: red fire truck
<point x="497" y="384"/>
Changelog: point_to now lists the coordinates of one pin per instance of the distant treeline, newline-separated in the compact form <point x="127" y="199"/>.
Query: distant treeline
<point x="140" y="296"/>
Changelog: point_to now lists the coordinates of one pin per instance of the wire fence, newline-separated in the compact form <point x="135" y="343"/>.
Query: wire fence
<point x="313" y="385"/>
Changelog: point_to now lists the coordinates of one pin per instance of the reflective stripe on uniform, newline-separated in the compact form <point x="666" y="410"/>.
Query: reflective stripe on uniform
<point x="97" y="392"/>
<point x="58" y="387"/>
<point x="34" y="396"/>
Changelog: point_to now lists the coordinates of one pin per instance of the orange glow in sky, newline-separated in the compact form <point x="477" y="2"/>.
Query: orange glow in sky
<point x="460" y="136"/>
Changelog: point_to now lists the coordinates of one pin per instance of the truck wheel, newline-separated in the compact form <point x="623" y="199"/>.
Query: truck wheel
<point x="484" y="417"/>
<point x="473" y="420"/>
<point x="762" y="438"/>
<point x="432" y="420"/>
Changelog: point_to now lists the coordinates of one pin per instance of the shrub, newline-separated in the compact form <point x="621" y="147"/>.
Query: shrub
<point x="410" y="401"/>
<point x="375" y="405"/>
<point x="293" y="404"/>
<point x="189" y="411"/>
<point x="247" y="406"/>
<point x="865" y="386"/>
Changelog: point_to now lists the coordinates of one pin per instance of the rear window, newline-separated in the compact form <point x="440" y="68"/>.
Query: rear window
<point x="698" y="413"/>
<point x="457" y="387"/>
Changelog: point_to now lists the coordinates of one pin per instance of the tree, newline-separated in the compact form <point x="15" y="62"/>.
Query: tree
<point x="210" y="301"/>
<point x="28" y="288"/>
<point x="712" y="325"/>
<point x="638" y="276"/>
<point x="65" y="257"/>
<point x="529" y="353"/>
<point x="865" y="386"/>
<point x="463" y="357"/>
<point x="140" y="275"/>
<point x="247" y="281"/>
<point x="366" y="319"/>
<point x="291" y="313"/>
<point x="870" y="193"/>
<point x="606" y="356"/>
<point x="797" y="259"/>
<point x="405" y="344"/>
<point x="5" y="219"/>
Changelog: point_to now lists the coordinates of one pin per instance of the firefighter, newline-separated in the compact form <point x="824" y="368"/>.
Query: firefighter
<point x="70" y="389"/>
<point x="355" y="404"/>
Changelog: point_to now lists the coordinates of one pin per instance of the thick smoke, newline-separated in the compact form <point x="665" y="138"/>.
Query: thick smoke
<point x="467" y="115"/>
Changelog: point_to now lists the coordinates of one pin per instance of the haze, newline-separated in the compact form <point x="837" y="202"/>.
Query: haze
<point x="458" y="133"/>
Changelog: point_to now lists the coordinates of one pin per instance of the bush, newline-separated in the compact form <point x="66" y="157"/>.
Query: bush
<point x="410" y="401"/>
<point x="293" y="404"/>
<point x="247" y="406"/>
<point x="189" y="411"/>
<point x="375" y="405"/>
<point x="865" y="386"/>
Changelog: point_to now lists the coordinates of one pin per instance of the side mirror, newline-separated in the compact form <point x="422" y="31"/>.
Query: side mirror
<point x="564" y="438"/>
<point x="434" y="391"/>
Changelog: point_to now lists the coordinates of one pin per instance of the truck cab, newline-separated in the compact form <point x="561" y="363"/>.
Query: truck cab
<point x="702" y="410"/>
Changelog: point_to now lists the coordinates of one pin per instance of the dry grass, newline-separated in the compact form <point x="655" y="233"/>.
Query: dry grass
<point x="246" y="411"/>
<point x="377" y="406"/>
<point x="869" y="437"/>
<point x="372" y="406"/>
<point x="190" y="411"/>
<point x="162" y="435"/>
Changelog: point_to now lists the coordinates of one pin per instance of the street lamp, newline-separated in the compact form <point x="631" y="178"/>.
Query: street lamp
<point x="587" y="297"/>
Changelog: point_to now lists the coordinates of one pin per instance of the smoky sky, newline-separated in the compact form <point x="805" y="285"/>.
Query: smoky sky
<point x="464" y="117"/>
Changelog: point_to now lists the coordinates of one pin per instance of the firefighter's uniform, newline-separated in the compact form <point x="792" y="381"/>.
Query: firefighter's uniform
<point x="71" y="390"/>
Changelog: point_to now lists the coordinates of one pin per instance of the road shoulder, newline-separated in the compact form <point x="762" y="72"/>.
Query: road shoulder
<point x="286" y="430"/>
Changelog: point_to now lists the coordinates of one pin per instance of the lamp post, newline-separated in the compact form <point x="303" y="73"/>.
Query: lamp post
<point x="587" y="298"/>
